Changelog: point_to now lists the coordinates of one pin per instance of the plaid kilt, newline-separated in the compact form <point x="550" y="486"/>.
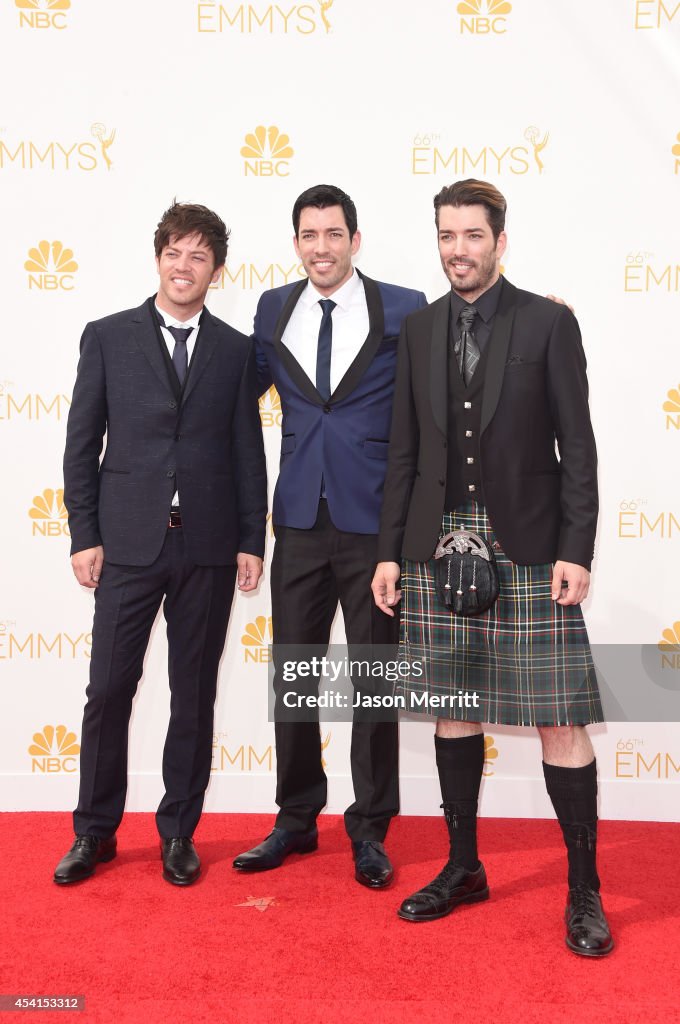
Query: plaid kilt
<point x="527" y="658"/>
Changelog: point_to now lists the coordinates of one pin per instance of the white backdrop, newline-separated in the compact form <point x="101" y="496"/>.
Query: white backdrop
<point x="112" y="109"/>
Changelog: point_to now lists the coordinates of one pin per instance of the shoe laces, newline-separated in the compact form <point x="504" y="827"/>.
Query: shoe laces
<point x="441" y="885"/>
<point x="91" y="842"/>
<point x="584" y="901"/>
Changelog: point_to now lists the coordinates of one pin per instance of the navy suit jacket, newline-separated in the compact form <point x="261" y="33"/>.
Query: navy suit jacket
<point x="204" y="440"/>
<point x="345" y="439"/>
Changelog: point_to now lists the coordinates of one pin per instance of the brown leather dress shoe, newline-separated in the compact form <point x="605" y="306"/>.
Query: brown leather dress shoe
<point x="587" y="929"/>
<point x="80" y="861"/>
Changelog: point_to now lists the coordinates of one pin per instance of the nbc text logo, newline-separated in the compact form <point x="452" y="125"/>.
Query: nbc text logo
<point x="672" y="409"/>
<point x="636" y="524"/>
<point x="270" y="408"/>
<point x="669" y="646"/>
<point x="256" y="640"/>
<point x="266" y="152"/>
<point x="54" y="750"/>
<point x="42" y="13"/>
<point x="480" y="17"/>
<point x="57" y="156"/>
<point x="655" y="13"/>
<point x="490" y="754"/>
<point x="429" y="155"/>
<point x="249" y="275"/>
<point x="304" y="19"/>
<point x="49" y="515"/>
<point x="642" y="275"/>
<point x="50" y="267"/>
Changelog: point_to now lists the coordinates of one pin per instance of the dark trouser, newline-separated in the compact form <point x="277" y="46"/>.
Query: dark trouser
<point x="311" y="571"/>
<point x="197" y="604"/>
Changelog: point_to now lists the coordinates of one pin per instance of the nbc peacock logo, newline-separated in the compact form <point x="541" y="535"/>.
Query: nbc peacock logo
<point x="256" y="640"/>
<point x="672" y="409"/>
<point x="48" y="514"/>
<point x="483" y="17"/>
<point x="490" y="754"/>
<point x="42" y="13"/>
<point x="669" y="647"/>
<point x="676" y="153"/>
<point x="54" y="750"/>
<point x="267" y="152"/>
<point x="270" y="408"/>
<point x="51" y="267"/>
<point x="325" y="743"/>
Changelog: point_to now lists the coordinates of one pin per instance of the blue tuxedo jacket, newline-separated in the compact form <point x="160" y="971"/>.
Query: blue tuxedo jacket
<point x="345" y="439"/>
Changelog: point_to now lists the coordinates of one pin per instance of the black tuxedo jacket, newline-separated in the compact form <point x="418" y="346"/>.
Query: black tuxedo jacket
<point x="537" y="450"/>
<point x="204" y="440"/>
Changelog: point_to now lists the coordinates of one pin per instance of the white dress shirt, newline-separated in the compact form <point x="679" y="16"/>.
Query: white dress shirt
<point x="350" y="328"/>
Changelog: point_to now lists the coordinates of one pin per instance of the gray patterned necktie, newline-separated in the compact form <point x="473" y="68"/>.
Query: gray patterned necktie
<point x="466" y="347"/>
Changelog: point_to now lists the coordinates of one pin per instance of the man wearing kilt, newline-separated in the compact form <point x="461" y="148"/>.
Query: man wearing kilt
<point x="491" y="386"/>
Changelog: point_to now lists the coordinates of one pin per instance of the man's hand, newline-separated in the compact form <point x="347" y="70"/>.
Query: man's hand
<point x="87" y="566"/>
<point x="559" y="301"/>
<point x="249" y="571"/>
<point x="577" y="579"/>
<point x="384" y="586"/>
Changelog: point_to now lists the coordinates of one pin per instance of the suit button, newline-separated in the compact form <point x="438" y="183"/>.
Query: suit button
<point x="178" y="437"/>
<point x="444" y="444"/>
<point x="170" y="472"/>
<point x="326" y="408"/>
<point x="172" y="405"/>
<point x="441" y="481"/>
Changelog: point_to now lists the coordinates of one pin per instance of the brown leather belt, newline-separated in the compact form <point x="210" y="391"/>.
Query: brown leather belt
<point x="175" y="519"/>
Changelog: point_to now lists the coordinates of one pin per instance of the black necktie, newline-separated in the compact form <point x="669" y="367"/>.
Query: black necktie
<point x="179" y="353"/>
<point x="466" y="348"/>
<point x="323" y="352"/>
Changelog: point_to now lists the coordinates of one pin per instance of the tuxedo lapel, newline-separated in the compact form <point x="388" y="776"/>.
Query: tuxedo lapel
<point x="498" y="345"/>
<point x="439" y="362"/>
<point x="147" y="334"/>
<point x="367" y="352"/>
<point x="286" y="357"/>
<point x="206" y="344"/>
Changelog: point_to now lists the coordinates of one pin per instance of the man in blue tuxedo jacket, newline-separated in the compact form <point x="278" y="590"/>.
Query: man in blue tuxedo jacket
<point x="328" y="343"/>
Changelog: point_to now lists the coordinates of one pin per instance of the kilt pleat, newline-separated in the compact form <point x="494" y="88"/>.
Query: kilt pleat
<point x="527" y="658"/>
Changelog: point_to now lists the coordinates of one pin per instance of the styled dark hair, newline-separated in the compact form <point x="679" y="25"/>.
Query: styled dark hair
<point x="182" y="219"/>
<point x="474" y="193"/>
<point x="322" y="196"/>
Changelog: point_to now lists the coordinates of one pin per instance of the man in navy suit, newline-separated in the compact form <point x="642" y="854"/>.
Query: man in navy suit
<point x="174" y="512"/>
<point x="328" y="343"/>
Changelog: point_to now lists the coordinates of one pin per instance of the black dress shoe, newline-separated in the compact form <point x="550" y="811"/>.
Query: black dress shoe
<point x="371" y="864"/>
<point x="181" y="865"/>
<point x="587" y="929"/>
<point x="83" y="857"/>
<point x="272" y="851"/>
<point x="452" y="886"/>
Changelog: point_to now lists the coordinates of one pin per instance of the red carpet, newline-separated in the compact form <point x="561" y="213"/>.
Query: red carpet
<point x="328" y="951"/>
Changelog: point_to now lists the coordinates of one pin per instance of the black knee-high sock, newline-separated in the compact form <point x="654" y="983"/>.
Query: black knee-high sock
<point x="460" y="763"/>
<point x="573" y="792"/>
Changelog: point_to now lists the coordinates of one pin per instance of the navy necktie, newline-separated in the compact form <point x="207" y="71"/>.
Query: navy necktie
<point x="323" y="352"/>
<point x="179" y="354"/>
<point x="466" y="348"/>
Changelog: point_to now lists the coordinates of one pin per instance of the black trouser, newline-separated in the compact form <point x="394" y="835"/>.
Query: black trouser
<point x="196" y="607"/>
<point x="311" y="571"/>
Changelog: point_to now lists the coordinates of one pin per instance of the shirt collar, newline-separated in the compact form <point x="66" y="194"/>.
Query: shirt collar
<point x="486" y="304"/>
<point x="343" y="297"/>
<point x="170" y="321"/>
